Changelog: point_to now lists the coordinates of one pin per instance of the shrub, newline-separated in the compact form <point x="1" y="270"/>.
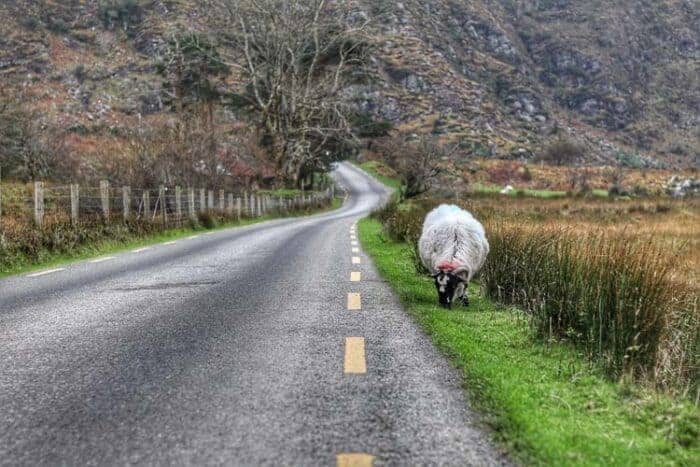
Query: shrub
<point x="120" y="13"/>
<point x="562" y="152"/>
<point x="206" y="219"/>
<point x="30" y="22"/>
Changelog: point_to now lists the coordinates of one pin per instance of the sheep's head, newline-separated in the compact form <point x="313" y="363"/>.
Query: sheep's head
<point x="447" y="284"/>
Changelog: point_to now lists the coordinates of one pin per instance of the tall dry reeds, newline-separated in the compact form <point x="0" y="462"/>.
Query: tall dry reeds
<point x="611" y="293"/>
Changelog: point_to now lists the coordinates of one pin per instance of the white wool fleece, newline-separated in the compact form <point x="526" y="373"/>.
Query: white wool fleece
<point x="453" y="236"/>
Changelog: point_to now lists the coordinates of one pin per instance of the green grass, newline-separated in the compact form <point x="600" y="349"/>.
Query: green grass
<point x="48" y="259"/>
<point x="378" y="170"/>
<point x="544" y="401"/>
<point x="531" y="193"/>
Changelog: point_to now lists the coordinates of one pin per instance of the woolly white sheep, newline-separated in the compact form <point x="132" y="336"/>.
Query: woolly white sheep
<point x="453" y="247"/>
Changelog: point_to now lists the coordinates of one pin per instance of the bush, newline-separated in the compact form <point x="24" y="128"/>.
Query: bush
<point x="367" y="127"/>
<point x="30" y="22"/>
<point x="562" y="152"/>
<point x="120" y="13"/>
<point x="206" y="219"/>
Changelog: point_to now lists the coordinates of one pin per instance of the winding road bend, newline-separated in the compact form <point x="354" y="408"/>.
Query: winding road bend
<point x="273" y="344"/>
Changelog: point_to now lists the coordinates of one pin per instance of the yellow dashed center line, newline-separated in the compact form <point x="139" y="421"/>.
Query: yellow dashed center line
<point x="354" y="460"/>
<point x="354" y="302"/>
<point x="355" y="276"/>
<point x="355" y="260"/>
<point x="355" y="355"/>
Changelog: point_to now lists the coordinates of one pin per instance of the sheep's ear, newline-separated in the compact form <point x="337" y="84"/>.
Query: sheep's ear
<point x="462" y="276"/>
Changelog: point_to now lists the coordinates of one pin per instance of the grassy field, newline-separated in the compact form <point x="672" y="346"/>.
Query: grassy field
<point x="547" y="402"/>
<point x="121" y="239"/>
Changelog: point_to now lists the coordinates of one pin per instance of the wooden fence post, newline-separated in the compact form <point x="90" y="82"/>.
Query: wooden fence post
<point x="74" y="203"/>
<point x="126" y="202"/>
<point x="238" y="208"/>
<point x="230" y="204"/>
<point x="178" y="204"/>
<point x="104" y="195"/>
<point x="260" y="213"/>
<point x="210" y="200"/>
<point x="252" y="205"/>
<point x="222" y="201"/>
<point x="163" y="204"/>
<point x="202" y="199"/>
<point x="39" y="203"/>
<point x="190" y="203"/>
<point x="146" y="205"/>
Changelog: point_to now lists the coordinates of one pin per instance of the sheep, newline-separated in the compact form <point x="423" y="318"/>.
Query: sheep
<point x="453" y="247"/>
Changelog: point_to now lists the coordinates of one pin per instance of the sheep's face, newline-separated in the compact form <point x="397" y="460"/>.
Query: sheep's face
<point x="446" y="284"/>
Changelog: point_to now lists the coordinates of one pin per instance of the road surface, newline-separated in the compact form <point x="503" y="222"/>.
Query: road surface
<point x="248" y="346"/>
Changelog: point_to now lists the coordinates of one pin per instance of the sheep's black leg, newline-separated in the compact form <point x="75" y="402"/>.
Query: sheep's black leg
<point x="463" y="298"/>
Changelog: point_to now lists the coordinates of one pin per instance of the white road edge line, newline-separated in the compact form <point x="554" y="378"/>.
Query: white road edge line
<point x="43" y="273"/>
<point x="101" y="260"/>
<point x="139" y="250"/>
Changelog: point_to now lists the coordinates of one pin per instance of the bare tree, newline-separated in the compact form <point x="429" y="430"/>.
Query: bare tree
<point x="297" y="57"/>
<point x="417" y="162"/>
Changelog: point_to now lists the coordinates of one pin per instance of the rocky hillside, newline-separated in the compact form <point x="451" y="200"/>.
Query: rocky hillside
<point x="499" y="77"/>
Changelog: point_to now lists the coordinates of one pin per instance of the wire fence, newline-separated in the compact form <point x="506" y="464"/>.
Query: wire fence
<point x="44" y="204"/>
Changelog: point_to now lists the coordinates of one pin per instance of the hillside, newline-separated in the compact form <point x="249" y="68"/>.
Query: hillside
<point x="501" y="77"/>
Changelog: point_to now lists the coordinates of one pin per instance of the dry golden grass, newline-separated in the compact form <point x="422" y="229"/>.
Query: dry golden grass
<point x="671" y="224"/>
<point x="666" y="228"/>
<point x="534" y="175"/>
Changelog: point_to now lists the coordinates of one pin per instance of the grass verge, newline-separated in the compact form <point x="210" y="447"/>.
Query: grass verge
<point x="47" y="258"/>
<point x="544" y="401"/>
<point x="382" y="172"/>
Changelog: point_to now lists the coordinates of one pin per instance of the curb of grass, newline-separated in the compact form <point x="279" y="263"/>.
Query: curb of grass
<point x="108" y="246"/>
<point x="543" y="401"/>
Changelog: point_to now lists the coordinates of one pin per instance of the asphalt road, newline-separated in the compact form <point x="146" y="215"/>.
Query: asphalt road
<point x="228" y="348"/>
